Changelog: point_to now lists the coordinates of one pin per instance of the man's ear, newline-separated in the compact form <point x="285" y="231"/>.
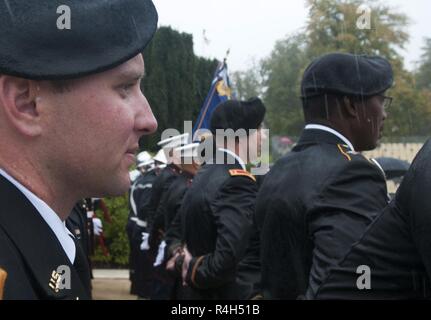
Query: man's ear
<point x="18" y="101"/>
<point x="350" y="108"/>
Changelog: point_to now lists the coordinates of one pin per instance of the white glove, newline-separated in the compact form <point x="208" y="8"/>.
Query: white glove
<point x="160" y="254"/>
<point x="144" y="245"/>
<point x="97" y="226"/>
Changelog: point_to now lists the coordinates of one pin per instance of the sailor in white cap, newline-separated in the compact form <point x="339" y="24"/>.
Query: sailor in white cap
<point x="160" y="159"/>
<point x="167" y="169"/>
<point x="140" y="191"/>
<point x="168" y="220"/>
<point x="164" y="173"/>
<point x="144" y="162"/>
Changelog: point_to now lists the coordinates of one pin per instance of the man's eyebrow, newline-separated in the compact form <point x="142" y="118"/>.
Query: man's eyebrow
<point x="131" y="75"/>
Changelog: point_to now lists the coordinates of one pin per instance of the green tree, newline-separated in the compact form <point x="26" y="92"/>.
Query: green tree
<point x="333" y="26"/>
<point x="247" y="84"/>
<point x="423" y="75"/>
<point x="115" y="233"/>
<point x="282" y="72"/>
<point x="423" y="81"/>
<point x="176" y="81"/>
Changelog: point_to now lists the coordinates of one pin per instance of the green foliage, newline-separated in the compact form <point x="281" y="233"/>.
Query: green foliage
<point x="176" y="81"/>
<point x="246" y="84"/>
<point x="423" y="75"/>
<point x="332" y="26"/>
<point x="283" y="71"/>
<point x="115" y="235"/>
<point x="423" y="85"/>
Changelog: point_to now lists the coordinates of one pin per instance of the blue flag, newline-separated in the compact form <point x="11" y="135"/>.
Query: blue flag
<point x="220" y="91"/>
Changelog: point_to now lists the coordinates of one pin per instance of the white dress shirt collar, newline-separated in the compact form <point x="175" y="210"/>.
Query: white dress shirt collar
<point x="330" y="130"/>
<point x="51" y="218"/>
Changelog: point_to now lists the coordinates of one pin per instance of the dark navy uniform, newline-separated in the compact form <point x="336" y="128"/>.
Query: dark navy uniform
<point x="77" y="223"/>
<point x="139" y="195"/>
<point x="173" y="235"/>
<point x="313" y="205"/>
<point x="147" y="211"/>
<point x="395" y="247"/>
<point x="30" y="252"/>
<point x="150" y="211"/>
<point x="169" y="207"/>
<point x="217" y="214"/>
<point x="173" y="198"/>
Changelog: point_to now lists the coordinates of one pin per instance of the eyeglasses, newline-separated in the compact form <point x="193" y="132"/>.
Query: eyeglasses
<point x="387" y="101"/>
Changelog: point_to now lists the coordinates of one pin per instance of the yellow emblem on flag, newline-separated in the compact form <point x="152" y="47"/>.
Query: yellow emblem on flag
<point x="223" y="89"/>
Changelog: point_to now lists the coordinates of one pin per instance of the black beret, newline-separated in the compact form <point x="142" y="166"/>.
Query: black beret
<point x="234" y="114"/>
<point x="103" y="34"/>
<point x="349" y="74"/>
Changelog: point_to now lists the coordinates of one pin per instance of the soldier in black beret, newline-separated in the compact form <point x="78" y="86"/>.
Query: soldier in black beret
<point x="235" y="115"/>
<point x="70" y="76"/>
<point x="318" y="199"/>
<point x="217" y="210"/>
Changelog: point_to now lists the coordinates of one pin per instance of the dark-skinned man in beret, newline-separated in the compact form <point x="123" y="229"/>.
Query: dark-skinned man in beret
<point x="55" y="84"/>
<point x="218" y="209"/>
<point x="318" y="199"/>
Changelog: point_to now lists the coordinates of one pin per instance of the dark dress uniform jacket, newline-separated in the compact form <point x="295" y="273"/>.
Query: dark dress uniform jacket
<point x="30" y="251"/>
<point x="171" y="201"/>
<point x="396" y="247"/>
<point x="170" y="208"/>
<point x="314" y="203"/>
<point x="217" y="216"/>
<point x="77" y="225"/>
<point x="140" y="261"/>
<point x="149" y="211"/>
<point x="141" y="193"/>
<point x="169" y="284"/>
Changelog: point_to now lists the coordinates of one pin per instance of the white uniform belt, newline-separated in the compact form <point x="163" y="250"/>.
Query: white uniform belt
<point x="134" y="219"/>
<point x="141" y="223"/>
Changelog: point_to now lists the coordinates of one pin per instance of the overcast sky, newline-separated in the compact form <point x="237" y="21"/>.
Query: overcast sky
<point x="250" y="28"/>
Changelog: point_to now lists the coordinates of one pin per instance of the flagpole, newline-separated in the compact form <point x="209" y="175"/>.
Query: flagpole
<point x="213" y="98"/>
<point x="226" y="56"/>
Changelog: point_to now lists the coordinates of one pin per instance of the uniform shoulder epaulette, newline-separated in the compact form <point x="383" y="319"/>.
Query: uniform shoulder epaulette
<point x="244" y="173"/>
<point x="346" y="152"/>
<point x="350" y="154"/>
